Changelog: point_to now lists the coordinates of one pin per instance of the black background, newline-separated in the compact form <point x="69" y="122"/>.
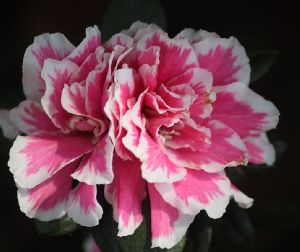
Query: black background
<point x="272" y="25"/>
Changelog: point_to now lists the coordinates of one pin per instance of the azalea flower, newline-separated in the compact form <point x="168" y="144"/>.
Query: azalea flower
<point x="142" y="114"/>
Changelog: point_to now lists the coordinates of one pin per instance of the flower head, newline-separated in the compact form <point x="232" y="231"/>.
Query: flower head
<point x="142" y="114"/>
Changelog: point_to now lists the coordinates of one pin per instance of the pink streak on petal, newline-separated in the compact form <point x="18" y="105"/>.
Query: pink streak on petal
<point x="126" y="194"/>
<point x="33" y="159"/>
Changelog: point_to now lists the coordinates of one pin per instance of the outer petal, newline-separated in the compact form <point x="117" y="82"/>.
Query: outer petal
<point x="126" y="194"/>
<point x="8" y="129"/>
<point x="243" y="200"/>
<point x="168" y="225"/>
<point x="226" y="149"/>
<point x="96" y="168"/>
<point x="83" y="206"/>
<point x="138" y="29"/>
<point x="175" y="56"/>
<point x="30" y="118"/>
<point x="46" y="46"/>
<point x="55" y="75"/>
<point x="246" y="112"/>
<point x="260" y="149"/>
<point x="34" y="159"/>
<point x="198" y="190"/>
<point x="91" y="42"/>
<point x="47" y="201"/>
<point x="226" y="59"/>
<point x="156" y="166"/>
<point x="118" y="39"/>
<point x="194" y="36"/>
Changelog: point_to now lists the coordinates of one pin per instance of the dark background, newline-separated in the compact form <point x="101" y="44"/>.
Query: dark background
<point x="276" y="212"/>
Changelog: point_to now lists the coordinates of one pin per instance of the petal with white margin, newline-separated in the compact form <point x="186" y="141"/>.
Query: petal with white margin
<point x="56" y="74"/>
<point x="46" y="46"/>
<point x="126" y="194"/>
<point x="168" y="225"/>
<point x="156" y="166"/>
<point x="89" y="45"/>
<point x="260" y="149"/>
<point x="47" y="201"/>
<point x="194" y="36"/>
<point x="197" y="191"/>
<point x="243" y="110"/>
<point x="30" y="118"/>
<point x="96" y="168"/>
<point x="226" y="149"/>
<point x="226" y="59"/>
<point x="175" y="55"/>
<point x="34" y="159"/>
<point x="83" y="206"/>
<point x="240" y="198"/>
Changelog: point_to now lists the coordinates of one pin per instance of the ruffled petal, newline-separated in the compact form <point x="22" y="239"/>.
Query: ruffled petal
<point x="194" y="36"/>
<point x="240" y="198"/>
<point x="197" y="191"/>
<point x="226" y="59"/>
<point x="96" y="168"/>
<point x="83" y="207"/>
<point x="46" y="46"/>
<point x="168" y="225"/>
<point x="126" y="194"/>
<point x="243" y="110"/>
<point x="156" y="166"/>
<point x="56" y="74"/>
<point x="175" y="55"/>
<point x="47" y="201"/>
<point x="91" y="42"/>
<point x="260" y="150"/>
<point x="34" y="159"/>
<point x="226" y="149"/>
<point x="30" y="118"/>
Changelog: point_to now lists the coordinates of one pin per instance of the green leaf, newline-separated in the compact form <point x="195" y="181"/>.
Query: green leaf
<point x="56" y="227"/>
<point x="105" y="234"/>
<point x="261" y="61"/>
<point x="121" y="14"/>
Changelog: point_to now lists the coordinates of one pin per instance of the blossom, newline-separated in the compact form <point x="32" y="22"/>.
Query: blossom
<point x="142" y="114"/>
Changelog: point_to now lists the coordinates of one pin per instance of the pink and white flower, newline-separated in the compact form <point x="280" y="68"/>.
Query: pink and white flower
<point x="142" y="114"/>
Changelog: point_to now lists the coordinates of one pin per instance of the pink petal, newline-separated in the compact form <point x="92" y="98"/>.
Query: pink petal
<point x="73" y="98"/>
<point x="226" y="149"/>
<point x="47" y="201"/>
<point x="9" y="130"/>
<point x="197" y="191"/>
<point x="91" y="42"/>
<point x="243" y="200"/>
<point x="260" y="149"/>
<point x="194" y="36"/>
<point x="96" y="168"/>
<point x="83" y="206"/>
<point x="168" y="225"/>
<point x="138" y="29"/>
<point x="156" y="166"/>
<point x="46" y="46"/>
<point x="175" y="56"/>
<point x="201" y="82"/>
<point x="246" y="112"/>
<point x="30" y="118"/>
<point x="34" y="159"/>
<point x="95" y="84"/>
<point x="56" y="74"/>
<point x="226" y="59"/>
<point x="126" y="194"/>
<point x="118" y="39"/>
